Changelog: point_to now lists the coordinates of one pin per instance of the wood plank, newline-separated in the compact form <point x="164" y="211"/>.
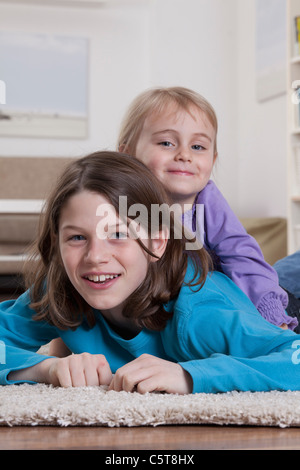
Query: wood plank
<point x="149" y="438"/>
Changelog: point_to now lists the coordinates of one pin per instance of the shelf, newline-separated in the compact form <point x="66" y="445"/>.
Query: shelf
<point x="21" y="206"/>
<point x="293" y="163"/>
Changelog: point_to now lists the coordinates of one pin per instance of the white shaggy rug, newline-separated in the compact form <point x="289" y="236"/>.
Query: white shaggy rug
<point x="41" y="404"/>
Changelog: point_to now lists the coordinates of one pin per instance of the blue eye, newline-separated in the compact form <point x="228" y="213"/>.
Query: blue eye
<point x="77" y="237"/>
<point x="198" y="147"/>
<point x="165" y="144"/>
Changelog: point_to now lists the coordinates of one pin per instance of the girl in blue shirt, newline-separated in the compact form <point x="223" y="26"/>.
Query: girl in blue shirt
<point x="137" y="309"/>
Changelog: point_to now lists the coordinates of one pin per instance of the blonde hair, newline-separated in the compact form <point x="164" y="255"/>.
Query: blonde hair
<point x="156" y="101"/>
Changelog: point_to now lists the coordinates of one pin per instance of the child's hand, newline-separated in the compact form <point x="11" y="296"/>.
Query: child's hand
<point x="79" y="370"/>
<point x="149" y="373"/>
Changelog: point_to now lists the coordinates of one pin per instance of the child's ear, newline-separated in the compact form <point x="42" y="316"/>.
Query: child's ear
<point x="159" y="243"/>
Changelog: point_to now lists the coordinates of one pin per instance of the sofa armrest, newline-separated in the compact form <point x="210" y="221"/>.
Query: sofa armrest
<point x="271" y="235"/>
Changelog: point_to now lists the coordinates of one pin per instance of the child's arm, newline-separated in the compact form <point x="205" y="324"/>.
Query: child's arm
<point x="241" y="258"/>
<point x="219" y="338"/>
<point x="21" y="337"/>
<point x="245" y="354"/>
<point x="219" y="373"/>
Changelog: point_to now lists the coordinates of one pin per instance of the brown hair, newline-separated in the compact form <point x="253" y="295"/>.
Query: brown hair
<point x="110" y="174"/>
<point x="155" y="101"/>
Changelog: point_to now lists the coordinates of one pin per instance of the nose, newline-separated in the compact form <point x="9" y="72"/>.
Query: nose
<point x="98" y="252"/>
<point x="183" y="154"/>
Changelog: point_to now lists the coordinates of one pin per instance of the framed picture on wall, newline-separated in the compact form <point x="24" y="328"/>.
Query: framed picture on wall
<point x="46" y="81"/>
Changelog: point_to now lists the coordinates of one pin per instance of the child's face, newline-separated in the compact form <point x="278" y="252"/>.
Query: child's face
<point x="179" y="148"/>
<point x="104" y="265"/>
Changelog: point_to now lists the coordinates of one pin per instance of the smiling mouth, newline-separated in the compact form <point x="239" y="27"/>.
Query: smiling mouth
<point x="181" y="172"/>
<point x="101" y="279"/>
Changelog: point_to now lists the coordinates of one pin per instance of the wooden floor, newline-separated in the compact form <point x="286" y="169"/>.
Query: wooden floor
<point x="146" y="438"/>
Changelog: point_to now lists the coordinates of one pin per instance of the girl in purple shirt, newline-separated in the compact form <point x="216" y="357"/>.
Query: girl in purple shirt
<point x="174" y="132"/>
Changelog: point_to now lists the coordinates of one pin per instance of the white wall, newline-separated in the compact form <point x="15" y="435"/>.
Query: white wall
<point x="262" y="128"/>
<point x="195" y="45"/>
<point x="203" y="44"/>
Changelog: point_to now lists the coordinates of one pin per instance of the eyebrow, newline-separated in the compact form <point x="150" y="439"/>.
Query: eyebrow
<point x="196" y="134"/>
<point x="76" y="228"/>
<point x="71" y="227"/>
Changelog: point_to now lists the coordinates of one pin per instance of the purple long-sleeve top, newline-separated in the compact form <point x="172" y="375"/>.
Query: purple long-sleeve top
<point x="238" y="254"/>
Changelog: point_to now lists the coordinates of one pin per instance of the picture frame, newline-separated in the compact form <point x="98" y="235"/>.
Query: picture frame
<point x="46" y="81"/>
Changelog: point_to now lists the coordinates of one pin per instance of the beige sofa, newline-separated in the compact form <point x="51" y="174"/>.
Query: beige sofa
<point x="24" y="182"/>
<point x="271" y="235"/>
<point x="25" y="179"/>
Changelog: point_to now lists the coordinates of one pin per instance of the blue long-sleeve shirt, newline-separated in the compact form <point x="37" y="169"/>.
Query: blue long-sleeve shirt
<point x="238" y="254"/>
<point x="216" y="334"/>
